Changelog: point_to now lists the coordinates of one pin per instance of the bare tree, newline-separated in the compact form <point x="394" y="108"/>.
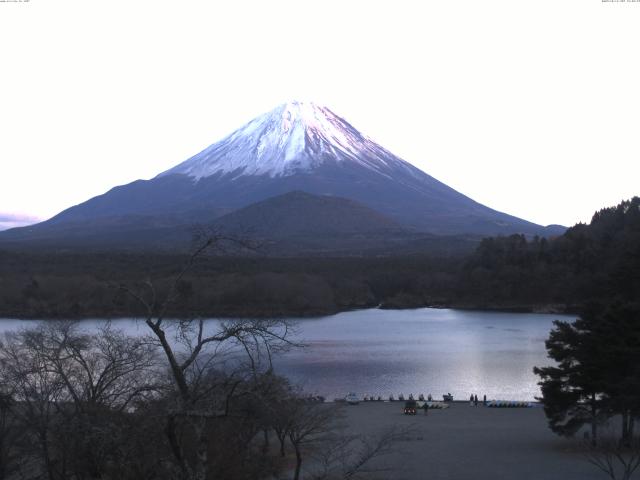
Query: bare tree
<point x="192" y="349"/>
<point x="281" y="413"/>
<point x="346" y="457"/>
<point x="26" y="375"/>
<point x="617" y="458"/>
<point x="309" y="424"/>
<point x="9" y="435"/>
<point x="97" y="370"/>
<point x="315" y="430"/>
<point x="71" y="390"/>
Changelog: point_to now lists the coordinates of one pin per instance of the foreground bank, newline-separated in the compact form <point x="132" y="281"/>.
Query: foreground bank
<point x="474" y="443"/>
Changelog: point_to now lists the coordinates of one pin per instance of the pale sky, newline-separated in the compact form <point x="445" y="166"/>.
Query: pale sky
<point x="529" y="107"/>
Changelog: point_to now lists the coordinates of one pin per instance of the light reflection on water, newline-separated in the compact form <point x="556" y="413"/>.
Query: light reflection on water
<point x="383" y="352"/>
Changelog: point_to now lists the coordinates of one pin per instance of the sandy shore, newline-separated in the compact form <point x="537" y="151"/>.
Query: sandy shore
<point x="474" y="443"/>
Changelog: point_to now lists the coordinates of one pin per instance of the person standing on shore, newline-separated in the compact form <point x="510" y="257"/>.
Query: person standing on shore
<point x="484" y="400"/>
<point x="475" y="400"/>
<point x="471" y="400"/>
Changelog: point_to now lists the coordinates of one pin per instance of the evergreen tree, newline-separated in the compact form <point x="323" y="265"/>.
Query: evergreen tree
<point x="618" y="330"/>
<point x="597" y="373"/>
<point x="572" y="391"/>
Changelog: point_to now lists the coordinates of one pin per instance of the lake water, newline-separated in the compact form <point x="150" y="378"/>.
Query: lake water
<point x="383" y="352"/>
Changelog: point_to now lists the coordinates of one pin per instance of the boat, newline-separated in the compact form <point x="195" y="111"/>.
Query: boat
<point x="509" y="404"/>
<point x="436" y="405"/>
<point x="352" y="399"/>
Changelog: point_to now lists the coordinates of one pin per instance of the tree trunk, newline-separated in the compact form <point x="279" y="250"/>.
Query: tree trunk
<point x="201" y="450"/>
<point x="296" y="475"/>
<point x="281" y="438"/>
<point x="265" y="445"/>
<point x="46" y="457"/>
<point x="170" y="431"/>
<point x="594" y="421"/>
<point x="178" y="374"/>
<point x="627" y="428"/>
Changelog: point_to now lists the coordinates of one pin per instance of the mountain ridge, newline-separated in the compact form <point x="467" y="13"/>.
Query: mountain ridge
<point x="295" y="147"/>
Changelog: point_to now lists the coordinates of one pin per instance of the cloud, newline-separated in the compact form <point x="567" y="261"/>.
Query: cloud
<point x="10" y="220"/>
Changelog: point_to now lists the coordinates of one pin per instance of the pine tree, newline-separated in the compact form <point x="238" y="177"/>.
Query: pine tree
<point x="573" y="391"/>
<point x="597" y="373"/>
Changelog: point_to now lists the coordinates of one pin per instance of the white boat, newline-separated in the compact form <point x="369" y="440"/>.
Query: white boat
<point x="437" y="405"/>
<point x="352" y="399"/>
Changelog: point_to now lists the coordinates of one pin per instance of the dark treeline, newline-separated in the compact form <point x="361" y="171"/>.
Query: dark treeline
<point x="85" y="285"/>
<point x="598" y="261"/>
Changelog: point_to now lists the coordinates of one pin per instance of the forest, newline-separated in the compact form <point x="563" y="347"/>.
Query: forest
<point x="595" y="261"/>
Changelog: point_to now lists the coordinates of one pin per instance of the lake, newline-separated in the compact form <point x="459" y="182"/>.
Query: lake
<point x="383" y="352"/>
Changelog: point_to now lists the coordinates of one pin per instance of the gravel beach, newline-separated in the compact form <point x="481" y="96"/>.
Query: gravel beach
<point x="475" y="443"/>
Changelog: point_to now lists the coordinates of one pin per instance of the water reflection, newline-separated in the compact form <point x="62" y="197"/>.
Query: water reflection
<point x="383" y="352"/>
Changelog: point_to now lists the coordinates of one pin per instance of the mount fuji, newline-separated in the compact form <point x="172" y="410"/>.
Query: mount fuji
<point x="297" y="147"/>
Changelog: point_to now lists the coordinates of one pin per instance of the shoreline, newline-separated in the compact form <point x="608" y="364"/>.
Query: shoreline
<point x="536" y="309"/>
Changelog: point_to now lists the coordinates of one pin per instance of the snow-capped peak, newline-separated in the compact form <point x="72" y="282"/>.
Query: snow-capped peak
<point x="295" y="136"/>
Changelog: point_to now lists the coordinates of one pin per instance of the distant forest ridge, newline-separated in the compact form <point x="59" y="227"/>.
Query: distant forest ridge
<point x="595" y="261"/>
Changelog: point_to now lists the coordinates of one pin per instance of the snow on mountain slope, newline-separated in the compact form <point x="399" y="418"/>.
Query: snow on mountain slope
<point x="294" y="137"/>
<point x="296" y="147"/>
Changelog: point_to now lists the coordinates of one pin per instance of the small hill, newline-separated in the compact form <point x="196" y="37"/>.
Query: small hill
<point x="299" y="213"/>
<point x="298" y="223"/>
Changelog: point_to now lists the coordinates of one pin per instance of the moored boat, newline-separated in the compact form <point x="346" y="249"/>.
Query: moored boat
<point x="352" y="399"/>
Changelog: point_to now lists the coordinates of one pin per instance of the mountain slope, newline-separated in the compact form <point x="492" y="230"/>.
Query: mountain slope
<point x="295" y="147"/>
